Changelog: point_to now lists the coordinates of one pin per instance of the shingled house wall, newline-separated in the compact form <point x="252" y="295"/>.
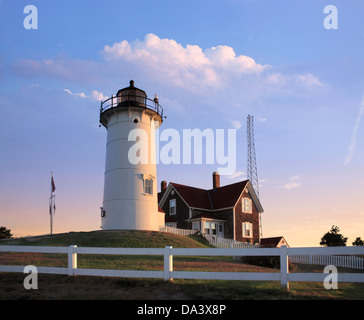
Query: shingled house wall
<point x="241" y="217"/>
<point x="182" y="211"/>
<point x="202" y="204"/>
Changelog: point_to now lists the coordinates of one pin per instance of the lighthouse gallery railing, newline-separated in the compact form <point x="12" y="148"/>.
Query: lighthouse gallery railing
<point x="129" y="100"/>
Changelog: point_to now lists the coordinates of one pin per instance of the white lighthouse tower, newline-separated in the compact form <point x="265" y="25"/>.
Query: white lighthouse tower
<point x="130" y="187"/>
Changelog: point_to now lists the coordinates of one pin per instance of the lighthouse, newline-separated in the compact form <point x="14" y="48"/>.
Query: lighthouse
<point x="130" y="200"/>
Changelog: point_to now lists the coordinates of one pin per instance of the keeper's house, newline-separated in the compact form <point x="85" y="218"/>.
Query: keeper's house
<point x="232" y="211"/>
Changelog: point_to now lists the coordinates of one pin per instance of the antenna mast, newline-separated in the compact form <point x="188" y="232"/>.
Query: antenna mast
<point x="252" y="172"/>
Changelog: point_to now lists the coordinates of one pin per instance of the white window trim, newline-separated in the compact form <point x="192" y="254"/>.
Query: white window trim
<point x="244" y="229"/>
<point x="243" y="206"/>
<point x="175" y="207"/>
<point x="152" y="179"/>
<point x="145" y="187"/>
<point x="211" y="227"/>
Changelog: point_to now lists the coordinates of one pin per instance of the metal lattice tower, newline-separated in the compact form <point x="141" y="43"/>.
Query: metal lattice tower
<point x="252" y="172"/>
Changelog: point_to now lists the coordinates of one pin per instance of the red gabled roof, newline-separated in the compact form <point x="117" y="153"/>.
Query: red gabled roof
<point x="270" y="242"/>
<point x="222" y="197"/>
<point x="195" y="197"/>
<point x="226" y="196"/>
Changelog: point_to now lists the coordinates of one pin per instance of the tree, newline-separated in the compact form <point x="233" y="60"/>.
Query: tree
<point x="358" y="242"/>
<point x="333" y="238"/>
<point x="5" y="233"/>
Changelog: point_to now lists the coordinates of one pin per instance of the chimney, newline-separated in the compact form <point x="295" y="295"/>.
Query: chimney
<point x="216" y="180"/>
<point x="163" y="187"/>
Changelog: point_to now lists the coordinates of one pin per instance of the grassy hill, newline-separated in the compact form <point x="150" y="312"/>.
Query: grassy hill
<point x="64" y="287"/>
<point x="116" y="238"/>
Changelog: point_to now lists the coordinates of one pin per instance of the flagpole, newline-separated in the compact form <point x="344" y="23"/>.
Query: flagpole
<point x="51" y="203"/>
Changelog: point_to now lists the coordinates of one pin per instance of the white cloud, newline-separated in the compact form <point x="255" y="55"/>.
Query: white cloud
<point x="81" y="94"/>
<point x="236" y="124"/>
<point x="183" y="66"/>
<point x="295" y="178"/>
<point x="292" y="184"/>
<point x="236" y="174"/>
<point x="217" y="74"/>
<point x="95" y="95"/>
<point x="352" y="145"/>
<point x="224" y="57"/>
<point x="309" y="80"/>
<point x="98" y="96"/>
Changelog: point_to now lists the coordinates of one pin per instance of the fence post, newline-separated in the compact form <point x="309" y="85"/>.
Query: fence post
<point x="72" y="260"/>
<point x="284" y="268"/>
<point x="168" y="263"/>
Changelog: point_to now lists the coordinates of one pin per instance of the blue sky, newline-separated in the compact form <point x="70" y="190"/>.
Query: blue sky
<point x="212" y="63"/>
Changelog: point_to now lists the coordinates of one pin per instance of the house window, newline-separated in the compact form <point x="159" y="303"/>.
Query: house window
<point x="247" y="205"/>
<point x="207" y="227"/>
<point x="247" y="230"/>
<point x="210" y="228"/>
<point x="172" y="206"/>
<point x="148" y="186"/>
<point x="213" y="229"/>
<point x="195" y="225"/>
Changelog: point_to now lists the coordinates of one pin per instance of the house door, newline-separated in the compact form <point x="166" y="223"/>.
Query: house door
<point x="220" y="230"/>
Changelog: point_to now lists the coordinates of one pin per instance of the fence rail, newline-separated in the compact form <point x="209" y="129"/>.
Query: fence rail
<point x="353" y="262"/>
<point x="168" y="252"/>
<point x="213" y="240"/>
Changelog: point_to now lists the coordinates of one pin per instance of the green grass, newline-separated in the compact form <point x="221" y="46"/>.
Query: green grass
<point x="64" y="287"/>
<point x="122" y="239"/>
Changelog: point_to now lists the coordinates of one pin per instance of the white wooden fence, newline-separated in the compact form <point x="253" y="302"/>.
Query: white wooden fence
<point x="228" y="243"/>
<point x="214" y="240"/>
<point x="181" y="232"/>
<point x="353" y="262"/>
<point x="168" y="252"/>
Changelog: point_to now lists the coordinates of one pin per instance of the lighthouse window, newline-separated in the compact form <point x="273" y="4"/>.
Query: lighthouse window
<point x="148" y="186"/>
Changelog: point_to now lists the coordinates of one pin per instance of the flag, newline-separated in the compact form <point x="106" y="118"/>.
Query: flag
<point x="53" y="185"/>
